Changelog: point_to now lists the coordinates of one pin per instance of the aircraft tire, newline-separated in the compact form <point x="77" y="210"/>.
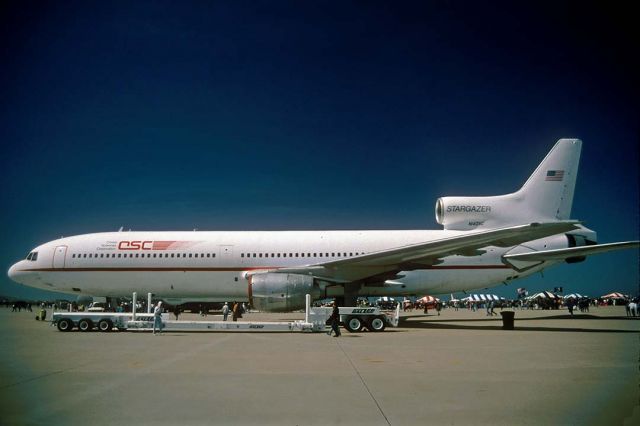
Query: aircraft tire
<point x="353" y="324"/>
<point x="65" y="324"/>
<point x="85" y="325"/>
<point x="377" y="324"/>
<point x="105" y="325"/>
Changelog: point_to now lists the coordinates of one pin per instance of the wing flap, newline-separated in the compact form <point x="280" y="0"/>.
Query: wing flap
<point x="563" y="254"/>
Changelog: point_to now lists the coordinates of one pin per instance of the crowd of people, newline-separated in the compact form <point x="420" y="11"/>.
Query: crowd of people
<point x="582" y="304"/>
<point x="237" y="309"/>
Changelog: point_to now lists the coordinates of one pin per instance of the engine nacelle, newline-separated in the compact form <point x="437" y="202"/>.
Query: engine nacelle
<point x="467" y="213"/>
<point x="272" y="292"/>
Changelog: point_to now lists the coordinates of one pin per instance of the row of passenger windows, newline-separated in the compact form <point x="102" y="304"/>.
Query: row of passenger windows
<point x="199" y="255"/>
<point x="148" y="255"/>
<point x="344" y="254"/>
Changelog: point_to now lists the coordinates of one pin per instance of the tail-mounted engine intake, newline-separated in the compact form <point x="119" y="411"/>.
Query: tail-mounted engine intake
<point x="466" y="213"/>
<point x="272" y="292"/>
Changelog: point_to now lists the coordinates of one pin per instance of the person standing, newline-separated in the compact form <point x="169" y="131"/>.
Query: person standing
<point x="491" y="308"/>
<point x="334" y="320"/>
<point x="157" y="318"/>
<point x="176" y="311"/>
<point x="236" y="311"/>
<point x="225" y="311"/>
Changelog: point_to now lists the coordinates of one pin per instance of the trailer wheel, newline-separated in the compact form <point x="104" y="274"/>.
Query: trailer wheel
<point x="65" y="324"/>
<point x="353" y="324"/>
<point x="105" y="325"/>
<point x="85" y="324"/>
<point x="377" y="324"/>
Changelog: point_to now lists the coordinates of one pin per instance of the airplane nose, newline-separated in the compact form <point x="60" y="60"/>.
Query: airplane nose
<point x="13" y="272"/>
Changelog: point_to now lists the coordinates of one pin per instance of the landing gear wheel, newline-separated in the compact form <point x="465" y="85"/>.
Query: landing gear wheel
<point x="353" y="324"/>
<point x="85" y="325"/>
<point x="65" y="324"/>
<point x="377" y="324"/>
<point x="105" y="325"/>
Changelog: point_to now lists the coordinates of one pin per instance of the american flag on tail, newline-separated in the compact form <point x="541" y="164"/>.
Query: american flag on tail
<point x="554" y="175"/>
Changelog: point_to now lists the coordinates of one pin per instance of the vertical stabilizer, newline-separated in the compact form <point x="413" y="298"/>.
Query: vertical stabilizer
<point x="549" y="190"/>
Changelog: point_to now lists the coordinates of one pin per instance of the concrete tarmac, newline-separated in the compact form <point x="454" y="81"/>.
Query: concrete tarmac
<point x="459" y="368"/>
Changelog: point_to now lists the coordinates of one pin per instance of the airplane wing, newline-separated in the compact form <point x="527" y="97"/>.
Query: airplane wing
<point x="416" y="256"/>
<point x="563" y="254"/>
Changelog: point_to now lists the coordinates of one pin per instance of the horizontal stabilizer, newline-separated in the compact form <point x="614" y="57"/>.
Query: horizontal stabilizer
<point x="563" y="254"/>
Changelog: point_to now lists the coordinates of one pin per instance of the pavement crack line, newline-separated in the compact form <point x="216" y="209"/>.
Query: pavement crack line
<point x="364" y="383"/>
<point x="42" y="376"/>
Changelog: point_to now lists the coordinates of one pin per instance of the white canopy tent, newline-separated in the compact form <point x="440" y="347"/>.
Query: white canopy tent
<point x="482" y="298"/>
<point x="574" y="296"/>
<point x="543" y="295"/>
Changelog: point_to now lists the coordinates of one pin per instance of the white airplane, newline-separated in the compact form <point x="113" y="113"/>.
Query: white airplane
<point x="486" y="241"/>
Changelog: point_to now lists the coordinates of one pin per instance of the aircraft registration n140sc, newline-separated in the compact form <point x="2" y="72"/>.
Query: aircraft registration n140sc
<point x="486" y="241"/>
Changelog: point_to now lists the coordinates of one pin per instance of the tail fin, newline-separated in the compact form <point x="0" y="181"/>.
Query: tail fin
<point x="546" y="196"/>
<point x="549" y="190"/>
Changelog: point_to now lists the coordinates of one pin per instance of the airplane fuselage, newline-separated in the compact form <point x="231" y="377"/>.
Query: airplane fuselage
<point x="215" y="265"/>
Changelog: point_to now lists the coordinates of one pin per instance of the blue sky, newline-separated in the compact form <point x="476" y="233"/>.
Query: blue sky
<point x="311" y="115"/>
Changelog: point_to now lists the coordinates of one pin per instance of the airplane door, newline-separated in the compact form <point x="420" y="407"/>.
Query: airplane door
<point x="59" y="256"/>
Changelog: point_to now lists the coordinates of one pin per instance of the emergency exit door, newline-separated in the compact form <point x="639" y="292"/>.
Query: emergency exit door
<point x="59" y="256"/>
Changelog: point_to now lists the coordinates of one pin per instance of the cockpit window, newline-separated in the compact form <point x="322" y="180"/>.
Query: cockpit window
<point x="33" y="256"/>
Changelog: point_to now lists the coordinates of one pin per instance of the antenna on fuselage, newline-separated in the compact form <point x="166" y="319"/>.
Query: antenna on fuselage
<point x="121" y="228"/>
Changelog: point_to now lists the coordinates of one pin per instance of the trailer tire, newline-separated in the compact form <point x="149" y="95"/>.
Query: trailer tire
<point x="85" y="324"/>
<point x="377" y="324"/>
<point x="105" y="325"/>
<point x="353" y="324"/>
<point x="65" y="324"/>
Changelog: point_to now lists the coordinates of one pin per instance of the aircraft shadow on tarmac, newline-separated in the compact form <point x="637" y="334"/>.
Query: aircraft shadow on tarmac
<point x="453" y="324"/>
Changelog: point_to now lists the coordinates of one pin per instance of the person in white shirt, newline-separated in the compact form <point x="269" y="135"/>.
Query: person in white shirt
<point x="225" y="311"/>
<point x="157" y="318"/>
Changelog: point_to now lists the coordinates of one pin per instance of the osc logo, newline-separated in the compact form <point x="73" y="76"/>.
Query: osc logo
<point x="135" y="245"/>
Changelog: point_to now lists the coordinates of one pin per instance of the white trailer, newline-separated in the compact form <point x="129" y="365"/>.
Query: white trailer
<point x="103" y="321"/>
<point x="354" y="319"/>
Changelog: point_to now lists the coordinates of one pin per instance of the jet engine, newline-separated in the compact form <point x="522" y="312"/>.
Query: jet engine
<point x="272" y="292"/>
<point x="468" y="213"/>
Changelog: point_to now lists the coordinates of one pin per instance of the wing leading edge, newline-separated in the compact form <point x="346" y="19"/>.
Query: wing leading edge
<point x="425" y="254"/>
